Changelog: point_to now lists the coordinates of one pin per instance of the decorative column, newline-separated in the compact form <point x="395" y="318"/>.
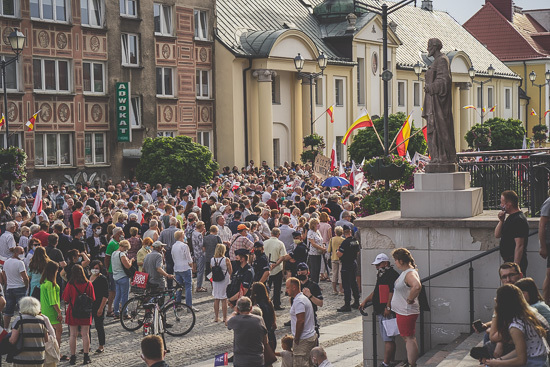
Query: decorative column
<point x="456" y="116"/>
<point x="464" y="91"/>
<point x="265" y="77"/>
<point x="254" y="125"/>
<point x="297" y="123"/>
<point x="306" y="115"/>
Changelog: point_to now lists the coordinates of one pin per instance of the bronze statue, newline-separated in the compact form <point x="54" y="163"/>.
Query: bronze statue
<point x="438" y="111"/>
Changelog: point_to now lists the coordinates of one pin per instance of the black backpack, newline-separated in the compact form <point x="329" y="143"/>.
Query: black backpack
<point x="82" y="307"/>
<point x="217" y="272"/>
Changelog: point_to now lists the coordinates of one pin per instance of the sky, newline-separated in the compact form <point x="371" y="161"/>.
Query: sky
<point x="462" y="10"/>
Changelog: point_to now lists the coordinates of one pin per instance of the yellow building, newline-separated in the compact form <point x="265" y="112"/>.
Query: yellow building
<point x="263" y="107"/>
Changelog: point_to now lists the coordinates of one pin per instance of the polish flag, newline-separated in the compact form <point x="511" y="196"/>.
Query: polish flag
<point x="342" y="171"/>
<point x="198" y="201"/>
<point x="37" y="206"/>
<point x="333" y="157"/>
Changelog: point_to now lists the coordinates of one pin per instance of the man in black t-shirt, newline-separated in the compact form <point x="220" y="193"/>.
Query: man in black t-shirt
<point x="381" y="302"/>
<point x="348" y="254"/>
<point x="512" y="231"/>
<point x="296" y="256"/>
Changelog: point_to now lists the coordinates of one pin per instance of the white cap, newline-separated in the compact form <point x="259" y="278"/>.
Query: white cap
<point x="380" y="258"/>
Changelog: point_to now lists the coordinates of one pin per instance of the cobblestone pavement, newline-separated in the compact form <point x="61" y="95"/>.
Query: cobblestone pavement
<point x="203" y="342"/>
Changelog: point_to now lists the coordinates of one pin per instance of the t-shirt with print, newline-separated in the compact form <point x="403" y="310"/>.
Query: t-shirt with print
<point x="534" y="344"/>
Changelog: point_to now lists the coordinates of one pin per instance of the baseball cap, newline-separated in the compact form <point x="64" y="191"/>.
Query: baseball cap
<point x="346" y="227"/>
<point x="158" y="244"/>
<point x="241" y="252"/>
<point x="241" y="227"/>
<point x="380" y="258"/>
<point x="258" y="244"/>
<point x="296" y="234"/>
<point x="302" y="267"/>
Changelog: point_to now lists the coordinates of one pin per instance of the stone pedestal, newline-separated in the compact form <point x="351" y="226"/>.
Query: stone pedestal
<point x="442" y="195"/>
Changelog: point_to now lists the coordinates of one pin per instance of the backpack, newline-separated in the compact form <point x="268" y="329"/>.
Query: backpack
<point x="82" y="307"/>
<point x="217" y="272"/>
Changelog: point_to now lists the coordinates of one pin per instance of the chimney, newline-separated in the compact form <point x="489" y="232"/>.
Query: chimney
<point x="505" y="7"/>
<point x="427" y="5"/>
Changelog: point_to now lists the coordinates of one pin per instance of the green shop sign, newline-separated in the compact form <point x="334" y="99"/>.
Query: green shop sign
<point x="123" y="112"/>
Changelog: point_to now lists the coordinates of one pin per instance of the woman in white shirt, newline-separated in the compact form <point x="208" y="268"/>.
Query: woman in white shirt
<point x="219" y="287"/>
<point x="316" y="249"/>
<point x="517" y="323"/>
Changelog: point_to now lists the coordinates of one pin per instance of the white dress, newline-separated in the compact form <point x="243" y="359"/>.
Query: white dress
<point x="219" y="288"/>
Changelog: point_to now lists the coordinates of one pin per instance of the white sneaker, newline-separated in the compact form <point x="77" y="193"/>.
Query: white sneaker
<point x="195" y="309"/>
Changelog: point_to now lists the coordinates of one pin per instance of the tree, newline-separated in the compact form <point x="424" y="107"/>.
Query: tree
<point x="366" y="145"/>
<point x="177" y="160"/>
<point x="13" y="164"/>
<point x="317" y="144"/>
<point x="504" y="134"/>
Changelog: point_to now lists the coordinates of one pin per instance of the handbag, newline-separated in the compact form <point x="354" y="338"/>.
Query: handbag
<point x="390" y="325"/>
<point x="53" y="354"/>
<point x="129" y="272"/>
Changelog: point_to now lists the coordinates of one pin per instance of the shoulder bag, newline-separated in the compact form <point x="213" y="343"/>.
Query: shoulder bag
<point x="129" y="272"/>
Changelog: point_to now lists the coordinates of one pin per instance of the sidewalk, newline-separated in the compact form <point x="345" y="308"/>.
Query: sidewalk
<point x="341" y="342"/>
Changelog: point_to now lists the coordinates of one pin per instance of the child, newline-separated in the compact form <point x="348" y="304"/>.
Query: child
<point x="24" y="239"/>
<point x="286" y="353"/>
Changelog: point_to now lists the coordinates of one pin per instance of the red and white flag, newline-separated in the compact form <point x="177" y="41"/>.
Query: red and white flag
<point x="198" y="201"/>
<point x="342" y="171"/>
<point x="333" y="157"/>
<point x="37" y="206"/>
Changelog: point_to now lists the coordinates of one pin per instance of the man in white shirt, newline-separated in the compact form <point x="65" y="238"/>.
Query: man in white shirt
<point x="275" y="249"/>
<point x="302" y="324"/>
<point x="266" y="195"/>
<point x="7" y="241"/>
<point x="182" y="267"/>
<point x="14" y="275"/>
<point x="264" y="230"/>
<point x="223" y="231"/>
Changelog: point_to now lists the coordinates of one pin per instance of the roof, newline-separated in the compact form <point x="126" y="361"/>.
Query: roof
<point x="249" y="28"/>
<point x="510" y="41"/>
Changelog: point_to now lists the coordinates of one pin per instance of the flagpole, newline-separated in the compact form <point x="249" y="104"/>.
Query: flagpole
<point x="377" y="135"/>
<point x="396" y="135"/>
<point x="398" y="145"/>
<point x="321" y="115"/>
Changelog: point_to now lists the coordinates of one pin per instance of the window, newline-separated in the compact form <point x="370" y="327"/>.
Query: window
<point x="15" y="140"/>
<point x="416" y="94"/>
<point x="276" y="152"/>
<point x="401" y="96"/>
<point x="94" y="148"/>
<point x="201" y="24"/>
<point x="507" y="98"/>
<point x="478" y="97"/>
<point x="203" y="84"/>
<point x="55" y="10"/>
<point x="164" y="82"/>
<point x="11" y="76"/>
<point x="163" y="19"/>
<point x="276" y="90"/>
<point x="490" y="100"/>
<point x="205" y="138"/>
<point x="130" y="49"/>
<point x="53" y="150"/>
<point x="91" y="13"/>
<point x="93" y="78"/>
<point x="135" y="112"/>
<point x="9" y="8"/>
<point x="166" y="134"/>
<point x="339" y="148"/>
<point x="51" y="75"/>
<point x="360" y="81"/>
<point x="319" y="91"/>
<point x="128" y="8"/>
<point x="339" y="91"/>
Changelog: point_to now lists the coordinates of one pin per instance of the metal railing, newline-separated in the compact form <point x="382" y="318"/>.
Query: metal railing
<point x="427" y="279"/>
<point x="524" y="171"/>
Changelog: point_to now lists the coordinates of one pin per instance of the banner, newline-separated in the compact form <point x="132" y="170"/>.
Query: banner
<point x="124" y="132"/>
<point x="221" y="360"/>
<point x="321" y="167"/>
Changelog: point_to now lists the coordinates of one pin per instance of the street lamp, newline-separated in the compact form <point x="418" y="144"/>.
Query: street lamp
<point x="472" y="73"/>
<point x="299" y="61"/>
<point x="532" y="77"/>
<point x="17" y="42"/>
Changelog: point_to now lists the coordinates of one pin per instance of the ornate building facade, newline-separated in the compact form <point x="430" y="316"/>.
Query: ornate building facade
<point x="79" y="55"/>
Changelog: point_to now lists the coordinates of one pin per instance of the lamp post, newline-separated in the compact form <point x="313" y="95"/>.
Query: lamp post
<point x="17" y="42"/>
<point x="472" y="73"/>
<point x="532" y="78"/>
<point x="299" y="61"/>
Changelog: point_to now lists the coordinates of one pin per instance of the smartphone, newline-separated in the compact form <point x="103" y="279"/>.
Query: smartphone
<point x="479" y="326"/>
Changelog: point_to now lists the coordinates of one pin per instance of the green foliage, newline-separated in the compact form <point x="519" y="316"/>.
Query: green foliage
<point x="393" y="161"/>
<point x="482" y="137"/>
<point x="13" y="162"/>
<point x="381" y="200"/>
<point x="317" y="143"/>
<point x="505" y="134"/>
<point x="539" y="134"/>
<point x="366" y="145"/>
<point x="177" y="160"/>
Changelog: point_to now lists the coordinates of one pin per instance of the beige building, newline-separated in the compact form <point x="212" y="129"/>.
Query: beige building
<point x="74" y="56"/>
<point x="265" y="105"/>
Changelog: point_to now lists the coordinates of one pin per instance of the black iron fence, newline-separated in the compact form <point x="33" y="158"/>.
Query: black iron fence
<point x="527" y="172"/>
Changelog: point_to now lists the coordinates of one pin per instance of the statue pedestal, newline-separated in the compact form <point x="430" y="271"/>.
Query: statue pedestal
<point x="442" y="195"/>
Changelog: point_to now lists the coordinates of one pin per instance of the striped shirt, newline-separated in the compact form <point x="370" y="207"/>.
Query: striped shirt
<point x="34" y="331"/>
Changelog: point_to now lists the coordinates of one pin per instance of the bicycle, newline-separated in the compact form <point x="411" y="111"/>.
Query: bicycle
<point x="177" y="318"/>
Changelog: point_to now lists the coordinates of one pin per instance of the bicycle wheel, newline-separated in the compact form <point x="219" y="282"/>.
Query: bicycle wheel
<point x="178" y="318"/>
<point x="136" y="313"/>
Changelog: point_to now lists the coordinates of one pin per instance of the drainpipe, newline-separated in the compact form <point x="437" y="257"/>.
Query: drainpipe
<point x="246" y="111"/>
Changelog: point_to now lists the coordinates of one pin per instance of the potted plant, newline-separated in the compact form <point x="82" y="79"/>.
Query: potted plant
<point x="482" y="137"/>
<point x="539" y="134"/>
<point x="317" y="144"/>
<point x="390" y="167"/>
